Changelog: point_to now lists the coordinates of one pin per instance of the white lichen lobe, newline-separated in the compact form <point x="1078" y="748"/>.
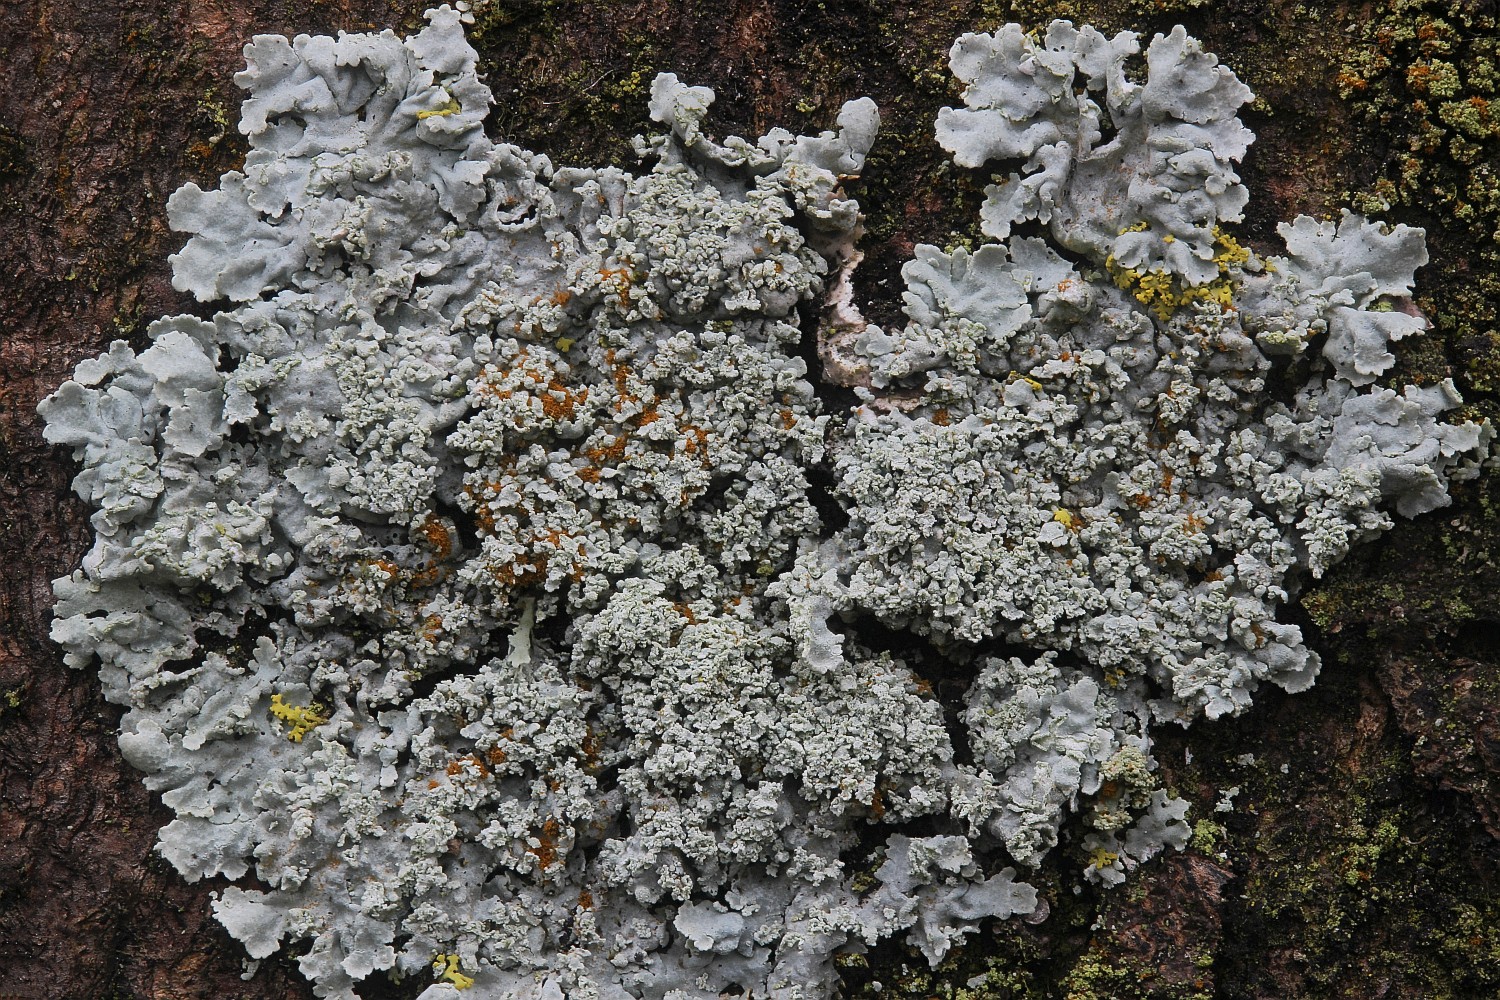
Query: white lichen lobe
<point x="467" y="593"/>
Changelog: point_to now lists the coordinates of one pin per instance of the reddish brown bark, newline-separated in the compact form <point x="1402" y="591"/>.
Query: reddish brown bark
<point x="106" y="108"/>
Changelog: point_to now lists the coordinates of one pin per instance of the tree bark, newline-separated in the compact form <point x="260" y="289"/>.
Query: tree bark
<point x="1358" y="856"/>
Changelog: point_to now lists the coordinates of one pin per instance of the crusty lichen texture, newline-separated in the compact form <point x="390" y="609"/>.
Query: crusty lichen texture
<point x="469" y="596"/>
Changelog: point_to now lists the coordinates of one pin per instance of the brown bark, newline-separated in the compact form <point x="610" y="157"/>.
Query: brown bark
<point x="1302" y="889"/>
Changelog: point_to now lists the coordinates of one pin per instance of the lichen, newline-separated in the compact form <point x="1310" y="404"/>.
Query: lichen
<point x="471" y="575"/>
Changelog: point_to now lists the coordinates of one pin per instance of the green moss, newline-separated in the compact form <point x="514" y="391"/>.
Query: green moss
<point x="1420" y="77"/>
<point x="12" y="154"/>
<point x="1207" y="836"/>
<point x="1365" y="884"/>
<point x="1097" y="977"/>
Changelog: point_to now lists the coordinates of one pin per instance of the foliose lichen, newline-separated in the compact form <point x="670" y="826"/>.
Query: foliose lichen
<point x="465" y="579"/>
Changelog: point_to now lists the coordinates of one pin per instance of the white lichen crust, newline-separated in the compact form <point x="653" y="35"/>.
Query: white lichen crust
<point x="466" y="589"/>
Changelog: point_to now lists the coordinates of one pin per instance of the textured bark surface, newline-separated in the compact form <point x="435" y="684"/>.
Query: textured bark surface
<point x="1358" y="856"/>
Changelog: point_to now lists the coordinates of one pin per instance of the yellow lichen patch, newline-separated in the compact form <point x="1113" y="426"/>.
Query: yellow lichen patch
<point x="1163" y="292"/>
<point x="1067" y="519"/>
<point x="302" y="720"/>
<point x="1101" y="859"/>
<point x="445" y="967"/>
<point x="451" y="108"/>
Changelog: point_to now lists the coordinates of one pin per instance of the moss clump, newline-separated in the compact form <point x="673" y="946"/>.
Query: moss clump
<point x="1357" y="873"/>
<point x="1097" y="977"/>
<point x="1208" y="836"/>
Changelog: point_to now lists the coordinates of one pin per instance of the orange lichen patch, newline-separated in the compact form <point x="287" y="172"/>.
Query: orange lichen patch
<point x="686" y="611"/>
<point x="620" y="278"/>
<point x="1166" y="480"/>
<point x="1194" y="523"/>
<point x="621" y="376"/>
<point x="592" y="745"/>
<point x="518" y="574"/>
<point x="484" y="520"/>
<point x="648" y="414"/>
<point x="585" y="900"/>
<point x="1141" y="500"/>
<point x="488" y="388"/>
<point x="434" y="783"/>
<point x="877" y="805"/>
<point x="1260" y="637"/>
<point x="385" y="566"/>
<point x="462" y="765"/>
<point x="428" y="575"/>
<point x="496" y="756"/>
<point x="432" y="627"/>
<point x="941" y="418"/>
<point x="561" y="403"/>
<point x="1419" y="76"/>
<point x="1348" y="82"/>
<point x="433" y="535"/>
<point x="610" y="453"/>
<point x="788" y="420"/>
<point x="696" y="440"/>
<point x="589" y="473"/>
<point x="1214" y="576"/>
<point x="436" y="536"/>
<point x="561" y="297"/>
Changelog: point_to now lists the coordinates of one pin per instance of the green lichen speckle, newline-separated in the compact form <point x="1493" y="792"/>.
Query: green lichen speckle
<point x="1207" y="836"/>
<point x="1422" y="77"/>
